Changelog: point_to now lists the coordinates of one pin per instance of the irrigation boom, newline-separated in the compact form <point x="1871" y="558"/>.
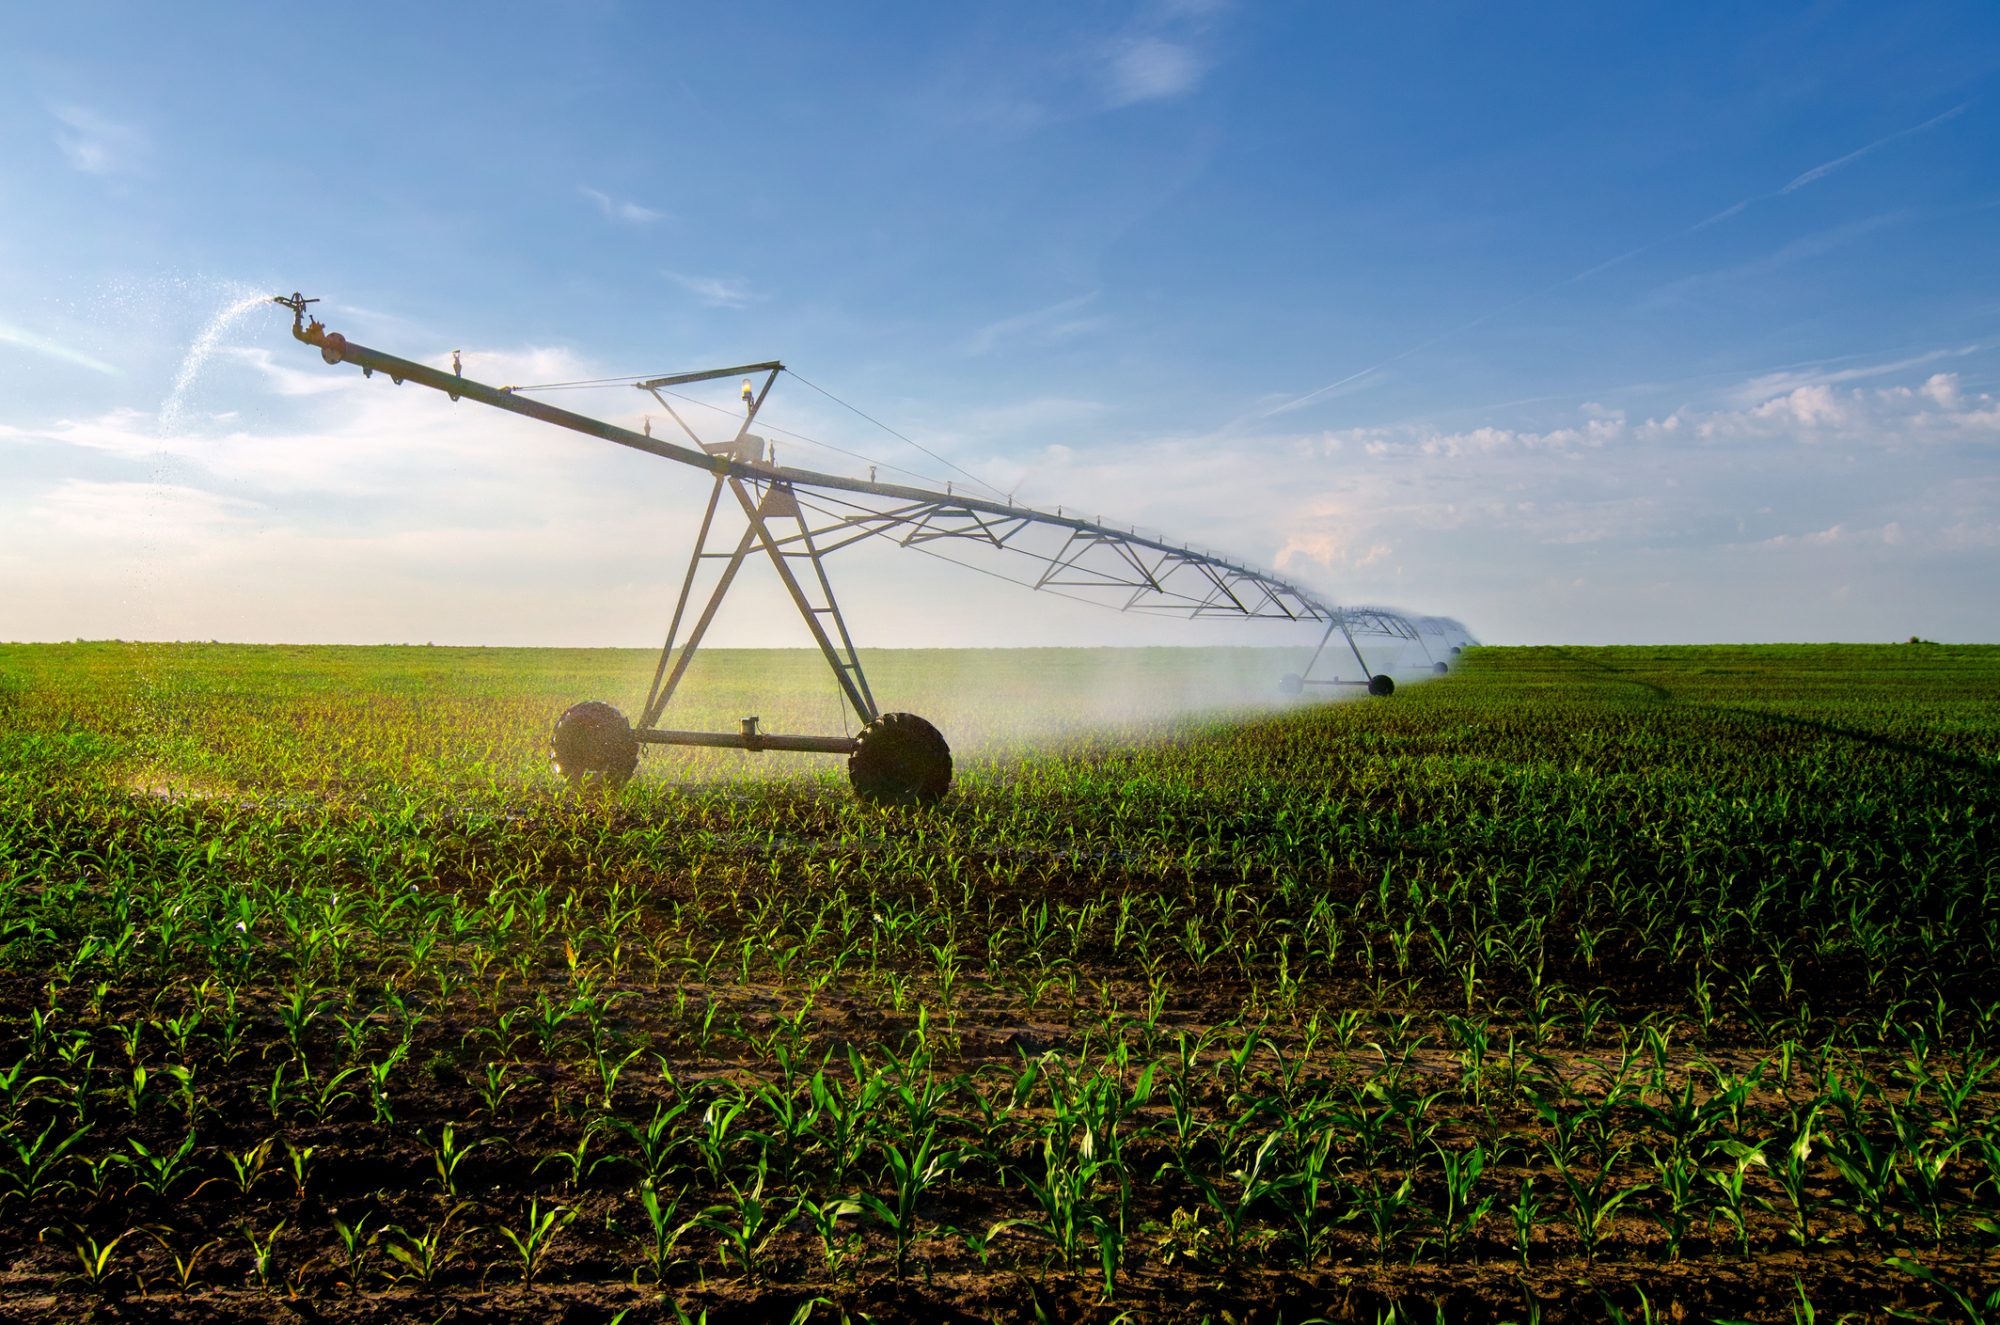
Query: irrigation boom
<point x="798" y="517"/>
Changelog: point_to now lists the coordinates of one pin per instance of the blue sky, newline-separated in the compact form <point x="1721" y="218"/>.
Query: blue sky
<point x="1579" y="322"/>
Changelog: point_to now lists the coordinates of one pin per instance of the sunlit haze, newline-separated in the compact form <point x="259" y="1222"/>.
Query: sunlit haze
<point x="1577" y="323"/>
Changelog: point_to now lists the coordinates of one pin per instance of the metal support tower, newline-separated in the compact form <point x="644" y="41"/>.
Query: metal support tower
<point x="797" y="518"/>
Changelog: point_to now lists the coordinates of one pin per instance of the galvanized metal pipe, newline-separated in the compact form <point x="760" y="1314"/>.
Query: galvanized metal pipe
<point x="335" y="348"/>
<point x="820" y="745"/>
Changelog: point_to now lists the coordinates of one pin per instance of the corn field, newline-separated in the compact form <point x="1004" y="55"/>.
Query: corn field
<point x="1629" y="984"/>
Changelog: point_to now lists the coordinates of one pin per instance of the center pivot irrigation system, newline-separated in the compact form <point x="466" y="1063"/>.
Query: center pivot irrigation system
<point x="798" y="518"/>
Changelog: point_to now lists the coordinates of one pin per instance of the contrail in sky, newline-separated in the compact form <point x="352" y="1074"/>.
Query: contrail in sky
<point x="1822" y="171"/>
<point x="1813" y="176"/>
<point x="28" y="340"/>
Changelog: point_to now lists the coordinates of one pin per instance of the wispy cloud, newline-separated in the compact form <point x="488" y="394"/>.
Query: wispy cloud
<point x="96" y="144"/>
<point x="716" y="291"/>
<point x="28" y="340"/>
<point x="1825" y="168"/>
<point x="1821" y="171"/>
<point x="141" y="511"/>
<point x="316" y="531"/>
<point x="1151" y="68"/>
<point x="1806" y="247"/>
<point x="1765" y="386"/>
<point x="284" y="378"/>
<point x="1057" y="321"/>
<point x="1802" y="249"/>
<point x="620" y="209"/>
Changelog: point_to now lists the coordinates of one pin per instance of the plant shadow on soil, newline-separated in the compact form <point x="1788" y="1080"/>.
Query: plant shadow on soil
<point x="1505" y="999"/>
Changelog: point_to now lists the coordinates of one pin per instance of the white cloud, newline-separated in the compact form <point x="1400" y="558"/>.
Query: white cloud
<point x="1809" y="407"/>
<point x="1767" y="385"/>
<point x="139" y="512"/>
<point x="283" y="378"/>
<point x="1327" y="550"/>
<point x="121" y="432"/>
<point x="1150" y="68"/>
<point x="716" y="291"/>
<point x="96" y="144"/>
<point x="391" y="513"/>
<point x="369" y="437"/>
<point x="620" y="209"/>
<point x="1942" y="388"/>
<point x="1889" y="534"/>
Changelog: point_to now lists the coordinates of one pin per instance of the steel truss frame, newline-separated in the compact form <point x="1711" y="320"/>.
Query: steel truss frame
<point x="797" y="518"/>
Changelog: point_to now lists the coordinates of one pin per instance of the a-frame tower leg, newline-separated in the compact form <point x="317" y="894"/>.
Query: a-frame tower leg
<point x="812" y="596"/>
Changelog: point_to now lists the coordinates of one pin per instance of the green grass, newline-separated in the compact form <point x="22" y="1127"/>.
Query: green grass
<point x="1601" y="970"/>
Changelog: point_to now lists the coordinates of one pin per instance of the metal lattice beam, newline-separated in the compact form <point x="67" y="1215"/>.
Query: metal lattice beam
<point x="799" y="515"/>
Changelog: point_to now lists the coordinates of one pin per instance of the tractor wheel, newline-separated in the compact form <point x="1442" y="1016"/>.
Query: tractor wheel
<point x="593" y="745"/>
<point x="1293" y="684"/>
<point x="1440" y="669"/>
<point x="899" y="759"/>
<point x="1382" y="686"/>
<point x="1454" y="650"/>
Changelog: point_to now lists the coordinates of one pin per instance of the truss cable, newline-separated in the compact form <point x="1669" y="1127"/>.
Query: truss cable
<point x="911" y="440"/>
<point x="587" y="383"/>
<point x="801" y="437"/>
<point x="1025" y="584"/>
<point x="592" y="381"/>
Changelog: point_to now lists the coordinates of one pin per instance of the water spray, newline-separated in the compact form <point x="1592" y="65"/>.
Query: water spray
<point x="797" y="518"/>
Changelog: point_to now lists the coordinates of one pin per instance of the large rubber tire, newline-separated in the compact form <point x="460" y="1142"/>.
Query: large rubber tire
<point x="899" y="759"/>
<point x="1382" y="686"/>
<point x="1292" y="684"/>
<point x="1454" y="650"/>
<point x="593" y="745"/>
<point x="1441" y="669"/>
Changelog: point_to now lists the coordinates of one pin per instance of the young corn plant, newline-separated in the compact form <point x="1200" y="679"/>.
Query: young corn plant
<point x="247" y="1166"/>
<point x="1592" y="1202"/>
<point x="1922" y="1179"/>
<point x="263" y="1254"/>
<point x="662" y="1235"/>
<point x="31" y="1170"/>
<point x="161" y="1172"/>
<point x="448" y="1154"/>
<point x="538" y="1230"/>
<point x="1525" y="1213"/>
<point x="836" y="1242"/>
<point x="424" y="1254"/>
<point x="912" y="1172"/>
<point x="298" y="1162"/>
<point x="1315" y="1179"/>
<point x="378" y="1075"/>
<point x="1675" y="1175"/>
<point x="356" y="1241"/>
<point x="1792" y="1170"/>
<point x="1384" y="1210"/>
<point x="1870" y="1171"/>
<point x="1464" y="1210"/>
<point x="1729" y="1182"/>
<point x="577" y="1163"/>
<point x="495" y="1089"/>
<point x="752" y="1221"/>
<point x="1065" y="1195"/>
<point x="96" y="1262"/>
<point x="186" y="1266"/>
